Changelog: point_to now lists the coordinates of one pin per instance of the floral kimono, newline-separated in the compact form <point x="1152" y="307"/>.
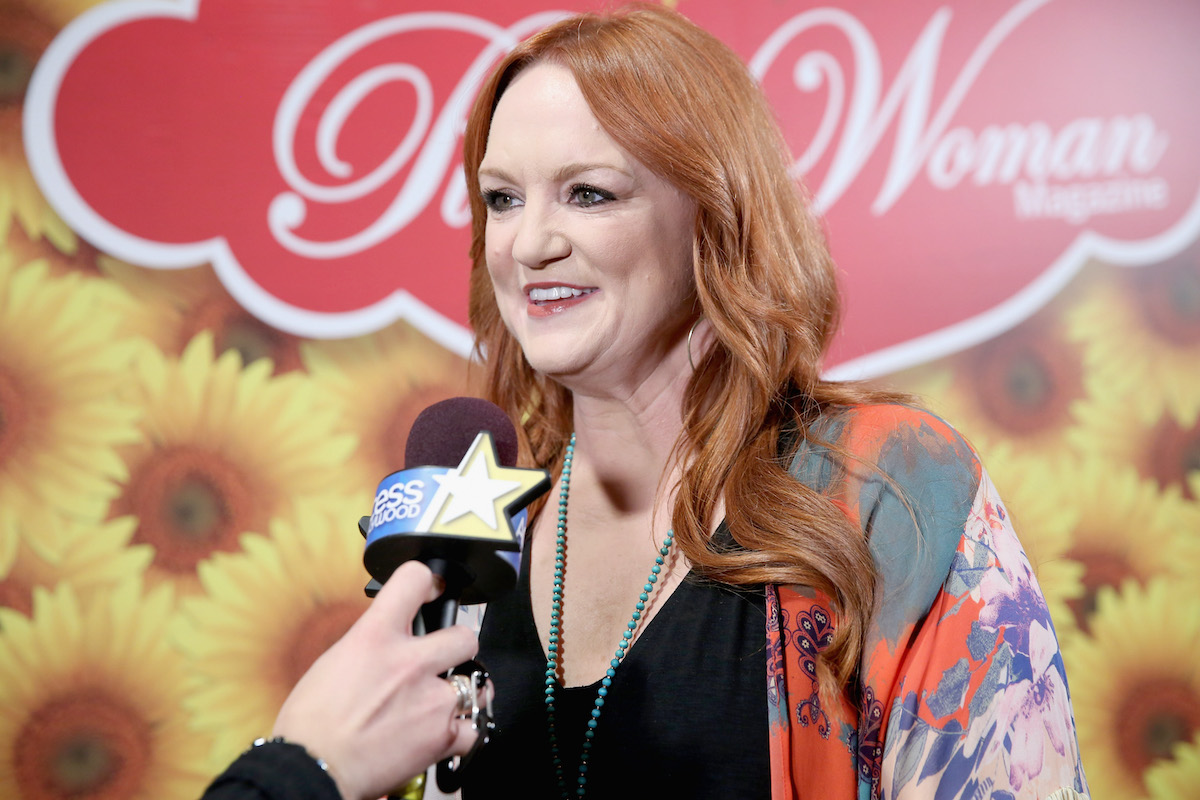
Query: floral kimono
<point x="961" y="689"/>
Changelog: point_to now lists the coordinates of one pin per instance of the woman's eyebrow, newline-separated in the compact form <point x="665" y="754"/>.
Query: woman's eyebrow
<point x="560" y="174"/>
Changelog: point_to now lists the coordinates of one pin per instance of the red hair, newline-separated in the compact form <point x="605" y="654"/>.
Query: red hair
<point x="683" y="104"/>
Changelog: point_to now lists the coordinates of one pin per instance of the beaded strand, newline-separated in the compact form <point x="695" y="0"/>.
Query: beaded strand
<point x="560" y="550"/>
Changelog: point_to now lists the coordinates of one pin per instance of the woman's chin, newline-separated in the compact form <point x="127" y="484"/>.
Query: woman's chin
<point x="556" y="360"/>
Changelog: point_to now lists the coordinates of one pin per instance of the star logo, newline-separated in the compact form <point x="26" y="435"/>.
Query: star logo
<point x="476" y="499"/>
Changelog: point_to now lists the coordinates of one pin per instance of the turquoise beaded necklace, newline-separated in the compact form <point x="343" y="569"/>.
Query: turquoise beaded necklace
<point x="560" y="550"/>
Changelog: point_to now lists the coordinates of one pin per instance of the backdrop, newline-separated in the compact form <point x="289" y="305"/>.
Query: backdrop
<point x="233" y="269"/>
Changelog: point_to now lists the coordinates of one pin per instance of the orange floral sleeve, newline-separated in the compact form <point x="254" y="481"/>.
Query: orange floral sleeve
<point x="961" y="691"/>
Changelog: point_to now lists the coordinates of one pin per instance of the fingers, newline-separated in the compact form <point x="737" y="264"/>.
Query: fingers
<point x="446" y="648"/>
<point x="410" y="586"/>
<point x="397" y="603"/>
<point x="463" y="733"/>
<point x="464" y="736"/>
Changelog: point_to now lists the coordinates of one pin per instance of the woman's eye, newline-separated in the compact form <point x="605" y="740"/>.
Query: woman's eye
<point x="497" y="200"/>
<point x="585" y="196"/>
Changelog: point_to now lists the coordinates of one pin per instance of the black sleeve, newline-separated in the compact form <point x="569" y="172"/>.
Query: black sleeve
<point x="273" y="771"/>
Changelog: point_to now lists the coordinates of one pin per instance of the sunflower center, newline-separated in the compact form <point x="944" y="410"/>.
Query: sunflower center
<point x="195" y="509"/>
<point x="1155" y="716"/>
<point x="26" y="36"/>
<point x="88" y="744"/>
<point x="1027" y="381"/>
<point x="1170" y="299"/>
<point x="16" y="67"/>
<point x="324" y="626"/>
<point x="1174" y="455"/>
<point x="1100" y="568"/>
<point x="234" y="329"/>
<point x="189" y="503"/>
<point x="252" y="340"/>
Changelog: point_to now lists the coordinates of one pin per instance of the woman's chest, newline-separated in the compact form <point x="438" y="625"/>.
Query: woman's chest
<point x="686" y="709"/>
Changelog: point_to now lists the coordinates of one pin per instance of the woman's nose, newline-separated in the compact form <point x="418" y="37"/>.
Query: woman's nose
<point x="540" y="239"/>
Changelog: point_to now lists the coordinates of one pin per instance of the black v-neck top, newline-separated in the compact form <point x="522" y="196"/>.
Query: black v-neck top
<point x="686" y="716"/>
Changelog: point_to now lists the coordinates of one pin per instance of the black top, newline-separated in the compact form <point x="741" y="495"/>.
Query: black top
<point x="273" y="771"/>
<point x="686" y="715"/>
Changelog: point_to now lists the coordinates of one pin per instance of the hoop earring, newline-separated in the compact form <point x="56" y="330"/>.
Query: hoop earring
<point x="692" y="330"/>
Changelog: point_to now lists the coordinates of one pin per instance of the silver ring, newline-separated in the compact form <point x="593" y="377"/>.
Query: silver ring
<point x="464" y="700"/>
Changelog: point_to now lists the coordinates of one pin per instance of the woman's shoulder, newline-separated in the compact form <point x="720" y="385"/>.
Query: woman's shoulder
<point x="894" y="442"/>
<point x="875" y="427"/>
<point x="903" y="475"/>
<point x="909" y="481"/>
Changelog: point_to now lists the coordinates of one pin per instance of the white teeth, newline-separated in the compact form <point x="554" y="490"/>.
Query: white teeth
<point x="556" y="293"/>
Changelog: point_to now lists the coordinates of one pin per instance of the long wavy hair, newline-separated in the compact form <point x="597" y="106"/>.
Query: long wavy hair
<point x="684" y="104"/>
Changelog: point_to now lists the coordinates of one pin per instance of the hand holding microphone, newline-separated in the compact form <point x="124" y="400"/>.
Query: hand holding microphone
<point x="458" y="507"/>
<point x="382" y="704"/>
<point x="375" y="707"/>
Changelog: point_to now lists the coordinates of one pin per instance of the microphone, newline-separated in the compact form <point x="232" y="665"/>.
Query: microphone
<point x="458" y="506"/>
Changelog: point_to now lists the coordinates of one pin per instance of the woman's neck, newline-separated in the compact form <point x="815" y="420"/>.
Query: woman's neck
<point x="625" y="444"/>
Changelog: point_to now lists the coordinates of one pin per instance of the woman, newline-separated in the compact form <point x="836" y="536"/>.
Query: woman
<point x="758" y="583"/>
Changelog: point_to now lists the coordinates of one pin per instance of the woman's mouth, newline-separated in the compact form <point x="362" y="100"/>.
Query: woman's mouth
<point x="547" y="300"/>
<point x="552" y="293"/>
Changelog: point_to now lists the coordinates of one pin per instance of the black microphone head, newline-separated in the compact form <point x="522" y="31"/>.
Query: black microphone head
<point x="443" y="432"/>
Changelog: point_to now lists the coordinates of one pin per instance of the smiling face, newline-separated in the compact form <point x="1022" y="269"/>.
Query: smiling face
<point x="590" y="253"/>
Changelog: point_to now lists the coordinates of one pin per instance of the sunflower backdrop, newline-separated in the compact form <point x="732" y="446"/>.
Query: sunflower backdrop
<point x="184" y="451"/>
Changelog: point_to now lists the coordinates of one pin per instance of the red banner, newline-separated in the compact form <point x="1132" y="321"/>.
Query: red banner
<point x="968" y="157"/>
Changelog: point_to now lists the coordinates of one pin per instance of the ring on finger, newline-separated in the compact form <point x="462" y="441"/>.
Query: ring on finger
<point x="464" y="696"/>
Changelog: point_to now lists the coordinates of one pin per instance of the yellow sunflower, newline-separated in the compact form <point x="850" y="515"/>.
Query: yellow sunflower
<point x="26" y="28"/>
<point x="266" y="614"/>
<point x="1109" y="427"/>
<point x="1044" y="519"/>
<point x="384" y="381"/>
<point x="61" y="417"/>
<point x="1021" y="387"/>
<point x="90" y="556"/>
<point x="1176" y="779"/>
<point x="82" y="258"/>
<point x="1172" y="456"/>
<point x="1162" y="450"/>
<point x="1141" y="332"/>
<point x="1126" y="528"/>
<point x="176" y="305"/>
<point x="1135" y="683"/>
<point x="166" y="307"/>
<point x="91" y="700"/>
<point x="225" y="449"/>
